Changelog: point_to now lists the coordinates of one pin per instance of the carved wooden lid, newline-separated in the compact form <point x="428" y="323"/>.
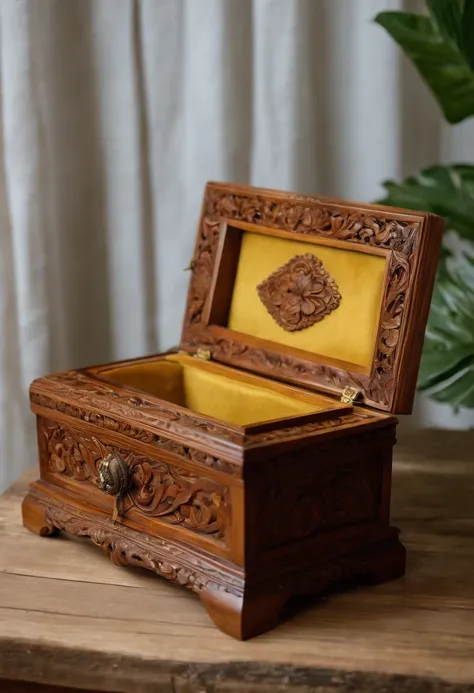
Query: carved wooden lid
<point x="323" y="293"/>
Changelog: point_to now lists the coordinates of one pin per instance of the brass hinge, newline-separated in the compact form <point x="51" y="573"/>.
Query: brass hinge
<point x="203" y="354"/>
<point x="349" y="395"/>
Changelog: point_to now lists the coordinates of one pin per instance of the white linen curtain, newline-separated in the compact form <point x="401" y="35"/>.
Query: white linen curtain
<point x="114" y="113"/>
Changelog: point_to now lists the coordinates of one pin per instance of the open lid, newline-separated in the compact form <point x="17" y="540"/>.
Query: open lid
<point x="323" y="293"/>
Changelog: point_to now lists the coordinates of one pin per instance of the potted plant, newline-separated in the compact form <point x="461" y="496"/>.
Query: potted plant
<point x="441" y="46"/>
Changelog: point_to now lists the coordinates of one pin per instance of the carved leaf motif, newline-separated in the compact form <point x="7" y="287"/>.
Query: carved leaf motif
<point x="92" y="393"/>
<point x="300" y="293"/>
<point x="157" y="489"/>
<point x="177" y="497"/>
<point x="55" y="383"/>
<point x="126" y="547"/>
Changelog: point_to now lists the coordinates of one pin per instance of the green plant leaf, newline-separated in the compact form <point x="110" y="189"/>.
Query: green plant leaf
<point x="455" y="22"/>
<point x="444" y="190"/>
<point x="447" y="365"/>
<point x="433" y="44"/>
<point x="468" y="32"/>
<point x="448" y="17"/>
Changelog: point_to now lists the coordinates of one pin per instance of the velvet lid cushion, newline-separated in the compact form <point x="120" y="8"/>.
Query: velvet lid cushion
<point x="348" y="333"/>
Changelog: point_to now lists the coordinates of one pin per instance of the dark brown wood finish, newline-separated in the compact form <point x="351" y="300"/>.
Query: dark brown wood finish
<point x="245" y="516"/>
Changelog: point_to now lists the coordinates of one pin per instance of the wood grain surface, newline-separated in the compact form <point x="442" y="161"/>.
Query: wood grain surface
<point x="68" y="617"/>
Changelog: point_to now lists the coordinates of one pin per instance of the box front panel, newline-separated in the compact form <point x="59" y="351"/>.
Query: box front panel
<point x="162" y="494"/>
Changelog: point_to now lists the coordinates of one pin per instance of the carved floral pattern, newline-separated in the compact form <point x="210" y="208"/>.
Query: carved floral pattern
<point x="179" y="497"/>
<point x="317" y="427"/>
<point x="238" y="353"/>
<point x="156" y="489"/>
<point x="93" y="395"/>
<point x="300" y="293"/>
<point x="125" y="546"/>
<point x="305" y="214"/>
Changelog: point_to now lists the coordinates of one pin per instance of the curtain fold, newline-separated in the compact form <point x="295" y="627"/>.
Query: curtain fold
<point x="114" y="114"/>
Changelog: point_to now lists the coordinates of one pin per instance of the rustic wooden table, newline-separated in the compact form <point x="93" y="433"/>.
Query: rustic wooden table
<point x="69" y="618"/>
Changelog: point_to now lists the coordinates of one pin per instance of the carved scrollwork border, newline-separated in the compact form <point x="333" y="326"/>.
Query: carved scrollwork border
<point x="188" y="568"/>
<point x="328" y="219"/>
<point x="81" y="397"/>
<point x="126" y="547"/>
<point x="157" y="490"/>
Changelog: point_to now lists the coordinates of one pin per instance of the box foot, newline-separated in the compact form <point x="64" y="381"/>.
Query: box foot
<point x="35" y="518"/>
<point x="243" y="617"/>
<point x="387" y="560"/>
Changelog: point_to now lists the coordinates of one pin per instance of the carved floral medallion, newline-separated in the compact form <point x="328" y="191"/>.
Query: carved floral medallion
<point x="300" y="293"/>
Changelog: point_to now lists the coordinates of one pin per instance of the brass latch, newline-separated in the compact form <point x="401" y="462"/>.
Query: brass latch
<point x="114" y="479"/>
<point x="349" y="395"/>
<point x="203" y="354"/>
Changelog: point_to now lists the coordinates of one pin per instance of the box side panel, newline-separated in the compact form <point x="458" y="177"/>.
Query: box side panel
<point x="318" y="502"/>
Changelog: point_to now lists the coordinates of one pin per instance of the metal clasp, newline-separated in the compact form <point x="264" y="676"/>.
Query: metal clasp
<point x="203" y="354"/>
<point x="349" y="395"/>
<point x="114" y="479"/>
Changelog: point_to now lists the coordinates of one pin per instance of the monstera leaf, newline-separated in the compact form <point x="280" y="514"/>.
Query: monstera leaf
<point x="441" y="46"/>
<point x="447" y="366"/>
<point x="444" y="190"/>
<point x="455" y="22"/>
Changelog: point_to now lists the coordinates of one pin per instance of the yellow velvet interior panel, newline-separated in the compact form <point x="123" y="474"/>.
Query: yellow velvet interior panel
<point x="348" y="333"/>
<point x="235" y="401"/>
<point x="209" y="393"/>
<point x="164" y="379"/>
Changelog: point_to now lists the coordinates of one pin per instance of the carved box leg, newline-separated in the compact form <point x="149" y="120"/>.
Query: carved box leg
<point x="387" y="560"/>
<point x="244" y="617"/>
<point x="257" y="612"/>
<point x="35" y="517"/>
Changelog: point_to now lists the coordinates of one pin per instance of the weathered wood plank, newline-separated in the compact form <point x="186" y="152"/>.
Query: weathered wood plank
<point x="28" y="687"/>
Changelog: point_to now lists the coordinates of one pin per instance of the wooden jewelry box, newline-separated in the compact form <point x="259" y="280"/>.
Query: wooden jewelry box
<point x="254" y="463"/>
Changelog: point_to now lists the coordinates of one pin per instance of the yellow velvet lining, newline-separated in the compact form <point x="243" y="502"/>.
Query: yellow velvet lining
<point x="163" y="378"/>
<point x="175" y="379"/>
<point x="348" y="333"/>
